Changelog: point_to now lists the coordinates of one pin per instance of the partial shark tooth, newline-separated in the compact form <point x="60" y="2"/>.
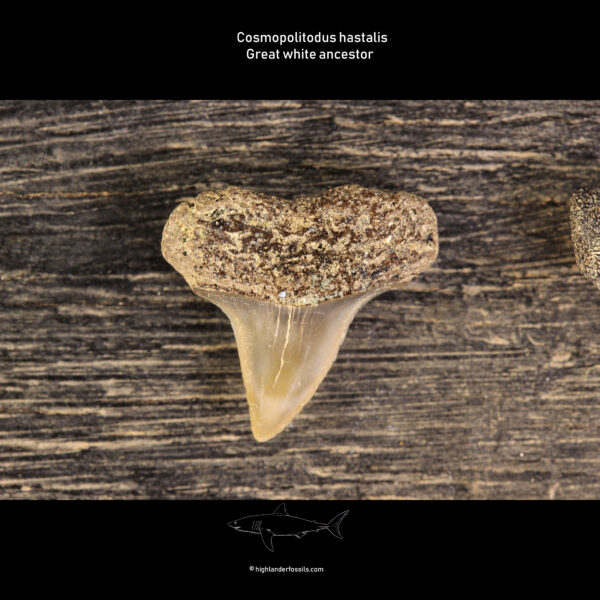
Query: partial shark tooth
<point x="585" y="231"/>
<point x="291" y="275"/>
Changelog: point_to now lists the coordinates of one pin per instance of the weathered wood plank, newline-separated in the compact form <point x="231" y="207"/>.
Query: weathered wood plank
<point x="480" y="380"/>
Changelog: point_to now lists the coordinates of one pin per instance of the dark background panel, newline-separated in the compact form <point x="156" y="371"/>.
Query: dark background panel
<point x="186" y="545"/>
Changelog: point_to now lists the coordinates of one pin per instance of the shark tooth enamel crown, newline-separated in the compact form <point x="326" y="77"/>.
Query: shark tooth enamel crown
<point x="291" y="275"/>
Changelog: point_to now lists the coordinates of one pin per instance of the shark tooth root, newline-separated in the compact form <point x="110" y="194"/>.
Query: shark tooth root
<point x="585" y="231"/>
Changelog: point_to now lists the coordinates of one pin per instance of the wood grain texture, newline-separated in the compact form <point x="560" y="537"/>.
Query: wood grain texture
<point x="481" y="379"/>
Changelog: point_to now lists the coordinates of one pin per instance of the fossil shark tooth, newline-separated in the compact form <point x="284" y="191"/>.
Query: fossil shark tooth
<point x="291" y="275"/>
<point x="585" y="231"/>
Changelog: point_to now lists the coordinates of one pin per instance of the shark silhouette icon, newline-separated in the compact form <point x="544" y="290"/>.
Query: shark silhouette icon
<point x="281" y="523"/>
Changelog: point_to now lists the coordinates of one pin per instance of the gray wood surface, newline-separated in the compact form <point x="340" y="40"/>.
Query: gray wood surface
<point x="481" y="379"/>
